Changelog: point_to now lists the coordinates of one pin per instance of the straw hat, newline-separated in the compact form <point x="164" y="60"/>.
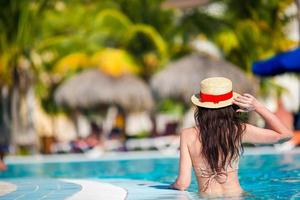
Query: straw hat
<point x="215" y="92"/>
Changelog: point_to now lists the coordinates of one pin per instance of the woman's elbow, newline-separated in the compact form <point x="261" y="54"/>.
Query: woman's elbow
<point x="283" y="137"/>
<point x="289" y="134"/>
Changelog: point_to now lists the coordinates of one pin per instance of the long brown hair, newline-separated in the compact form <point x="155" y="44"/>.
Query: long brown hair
<point x="220" y="132"/>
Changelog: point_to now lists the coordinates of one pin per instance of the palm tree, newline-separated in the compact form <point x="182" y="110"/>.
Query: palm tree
<point x="18" y="22"/>
<point x="111" y="28"/>
<point x="244" y="32"/>
<point x="21" y="41"/>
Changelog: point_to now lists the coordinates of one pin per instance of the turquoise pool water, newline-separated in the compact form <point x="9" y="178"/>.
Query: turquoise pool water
<point x="263" y="176"/>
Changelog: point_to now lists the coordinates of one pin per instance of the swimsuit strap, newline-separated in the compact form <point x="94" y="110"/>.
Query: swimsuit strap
<point x="220" y="177"/>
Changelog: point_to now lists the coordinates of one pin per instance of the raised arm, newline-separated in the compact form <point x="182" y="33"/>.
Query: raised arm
<point x="185" y="164"/>
<point x="278" y="131"/>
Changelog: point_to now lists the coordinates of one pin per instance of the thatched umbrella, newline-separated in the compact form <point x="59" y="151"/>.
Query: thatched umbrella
<point x="181" y="79"/>
<point x="132" y="93"/>
<point x="92" y="87"/>
<point x="83" y="90"/>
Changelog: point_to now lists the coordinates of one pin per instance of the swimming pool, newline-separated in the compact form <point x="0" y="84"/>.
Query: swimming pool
<point x="268" y="176"/>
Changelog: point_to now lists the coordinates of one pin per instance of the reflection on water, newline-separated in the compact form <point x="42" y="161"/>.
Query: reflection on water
<point x="244" y="195"/>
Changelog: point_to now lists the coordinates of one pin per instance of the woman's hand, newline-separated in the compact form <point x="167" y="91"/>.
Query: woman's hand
<point x="246" y="102"/>
<point x="175" y="186"/>
<point x="254" y="134"/>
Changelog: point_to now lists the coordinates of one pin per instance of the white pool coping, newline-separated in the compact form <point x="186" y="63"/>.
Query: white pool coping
<point x="6" y="188"/>
<point x="90" y="189"/>
<point x="93" y="190"/>
<point x="132" y="155"/>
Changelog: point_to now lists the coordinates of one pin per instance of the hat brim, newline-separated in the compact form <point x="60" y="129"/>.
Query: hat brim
<point x="196" y="101"/>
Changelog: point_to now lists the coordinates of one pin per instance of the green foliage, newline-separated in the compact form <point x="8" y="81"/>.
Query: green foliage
<point x="268" y="87"/>
<point x="18" y="23"/>
<point x="151" y="13"/>
<point x="258" y="26"/>
<point x="245" y="31"/>
<point x="93" y="29"/>
<point x="166" y="22"/>
<point x="171" y="106"/>
<point x="107" y="22"/>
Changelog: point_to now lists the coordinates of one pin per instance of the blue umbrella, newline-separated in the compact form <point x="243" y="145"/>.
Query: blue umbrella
<point x="284" y="62"/>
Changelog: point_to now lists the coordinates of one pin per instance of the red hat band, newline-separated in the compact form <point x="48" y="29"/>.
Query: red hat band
<point x="215" y="98"/>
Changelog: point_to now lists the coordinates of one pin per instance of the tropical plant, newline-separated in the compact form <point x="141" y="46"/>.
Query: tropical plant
<point x="244" y="32"/>
<point x="19" y="21"/>
<point x="111" y="28"/>
<point x="165" y="21"/>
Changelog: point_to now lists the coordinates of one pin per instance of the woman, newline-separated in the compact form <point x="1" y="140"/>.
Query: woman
<point x="213" y="147"/>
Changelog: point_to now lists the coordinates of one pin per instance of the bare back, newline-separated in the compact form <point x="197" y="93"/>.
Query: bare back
<point x="222" y="183"/>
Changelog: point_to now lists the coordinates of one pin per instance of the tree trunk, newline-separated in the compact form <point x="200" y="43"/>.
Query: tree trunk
<point x="22" y="109"/>
<point x="5" y="121"/>
<point x="14" y="115"/>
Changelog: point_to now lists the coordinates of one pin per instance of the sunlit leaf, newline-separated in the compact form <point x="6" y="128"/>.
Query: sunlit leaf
<point x="227" y="40"/>
<point x="71" y="62"/>
<point x="115" y="62"/>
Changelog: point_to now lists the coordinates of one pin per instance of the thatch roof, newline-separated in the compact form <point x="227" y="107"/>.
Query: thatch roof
<point x="133" y="93"/>
<point x="181" y="79"/>
<point x="91" y="88"/>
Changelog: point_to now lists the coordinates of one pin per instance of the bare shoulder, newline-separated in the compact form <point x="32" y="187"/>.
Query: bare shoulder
<point x="188" y="134"/>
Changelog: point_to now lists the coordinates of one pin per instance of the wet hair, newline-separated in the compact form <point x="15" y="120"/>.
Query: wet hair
<point x="220" y="132"/>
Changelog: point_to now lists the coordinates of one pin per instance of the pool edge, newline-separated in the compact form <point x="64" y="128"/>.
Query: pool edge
<point x="126" y="156"/>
